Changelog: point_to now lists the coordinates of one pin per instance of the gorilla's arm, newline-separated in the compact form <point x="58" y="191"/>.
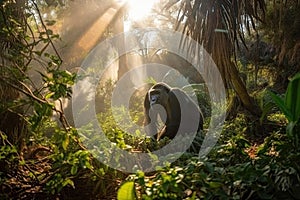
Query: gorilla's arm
<point x="172" y="108"/>
<point x="150" y="126"/>
<point x="181" y="106"/>
<point x="192" y="111"/>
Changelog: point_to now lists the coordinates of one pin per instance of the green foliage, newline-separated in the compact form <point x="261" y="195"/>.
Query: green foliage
<point x="231" y="171"/>
<point x="290" y="107"/>
<point x="126" y="191"/>
<point x="57" y="183"/>
<point x="264" y="178"/>
<point x="165" y="185"/>
<point x="8" y="152"/>
<point x="59" y="83"/>
<point x="24" y="38"/>
<point x="292" y="99"/>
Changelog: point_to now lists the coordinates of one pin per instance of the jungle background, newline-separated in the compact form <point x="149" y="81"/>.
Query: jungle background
<point x="256" y="46"/>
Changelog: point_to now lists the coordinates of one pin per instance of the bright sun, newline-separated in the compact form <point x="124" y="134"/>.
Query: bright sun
<point x="138" y="9"/>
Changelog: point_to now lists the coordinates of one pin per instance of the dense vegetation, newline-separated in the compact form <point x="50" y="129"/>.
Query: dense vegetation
<point x="257" y="50"/>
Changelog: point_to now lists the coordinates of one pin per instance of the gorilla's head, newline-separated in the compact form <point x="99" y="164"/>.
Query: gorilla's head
<point x="158" y="94"/>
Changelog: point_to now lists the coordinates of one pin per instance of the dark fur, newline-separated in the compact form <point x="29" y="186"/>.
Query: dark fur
<point x="169" y="101"/>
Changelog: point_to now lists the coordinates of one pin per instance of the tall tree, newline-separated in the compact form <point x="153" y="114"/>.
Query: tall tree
<point x="281" y="28"/>
<point x="218" y="25"/>
<point x="12" y="66"/>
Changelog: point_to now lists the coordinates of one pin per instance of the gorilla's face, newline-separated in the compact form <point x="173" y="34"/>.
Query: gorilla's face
<point x="158" y="96"/>
<point x="154" y="98"/>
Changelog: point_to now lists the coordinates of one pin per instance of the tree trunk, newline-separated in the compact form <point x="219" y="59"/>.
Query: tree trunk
<point x="119" y="28"/>
<point x="12" y="68"/>
<point x="222" y="51"/>
<point x="241" y="90"/>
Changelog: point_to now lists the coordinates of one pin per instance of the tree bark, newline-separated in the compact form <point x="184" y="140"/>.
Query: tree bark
<point x="119" y="28"/>
<point x="11" y="72"/>
<point x="222" y="51"/>
<point x="241" y="91"/>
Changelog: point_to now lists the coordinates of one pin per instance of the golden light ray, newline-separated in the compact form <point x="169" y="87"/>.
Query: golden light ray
<point x="139" y="9"/>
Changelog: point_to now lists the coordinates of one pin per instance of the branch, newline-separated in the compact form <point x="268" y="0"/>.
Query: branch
<point x="45" y="27"/>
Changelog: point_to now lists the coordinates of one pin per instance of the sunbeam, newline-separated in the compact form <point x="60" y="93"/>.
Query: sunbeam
<point x="138" y="9"/>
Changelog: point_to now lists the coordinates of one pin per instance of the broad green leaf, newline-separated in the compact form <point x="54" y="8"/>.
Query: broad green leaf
<point x="292" y="99"/>
<point x="281" y="105"/>
<point x="68" y="182"/>
<point x="215" y="185"/>
<point x="265" y="110"/>
<point x="65" y="143"/>
<point x="74" y="169"/>
<point x="290" y="128"/>
<point x="126" y="191"/>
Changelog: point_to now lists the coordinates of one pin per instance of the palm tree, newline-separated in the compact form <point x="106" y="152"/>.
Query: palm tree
<point x="218" y="25"/>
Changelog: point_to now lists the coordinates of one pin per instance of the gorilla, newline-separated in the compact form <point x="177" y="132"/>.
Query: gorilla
<point x="174" y="101"/>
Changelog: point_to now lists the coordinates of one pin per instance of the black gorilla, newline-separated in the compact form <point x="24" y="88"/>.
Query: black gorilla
<point x="173" y="100"/>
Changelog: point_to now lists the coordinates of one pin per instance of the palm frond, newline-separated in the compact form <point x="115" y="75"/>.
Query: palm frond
<point x="204" y="20"/>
